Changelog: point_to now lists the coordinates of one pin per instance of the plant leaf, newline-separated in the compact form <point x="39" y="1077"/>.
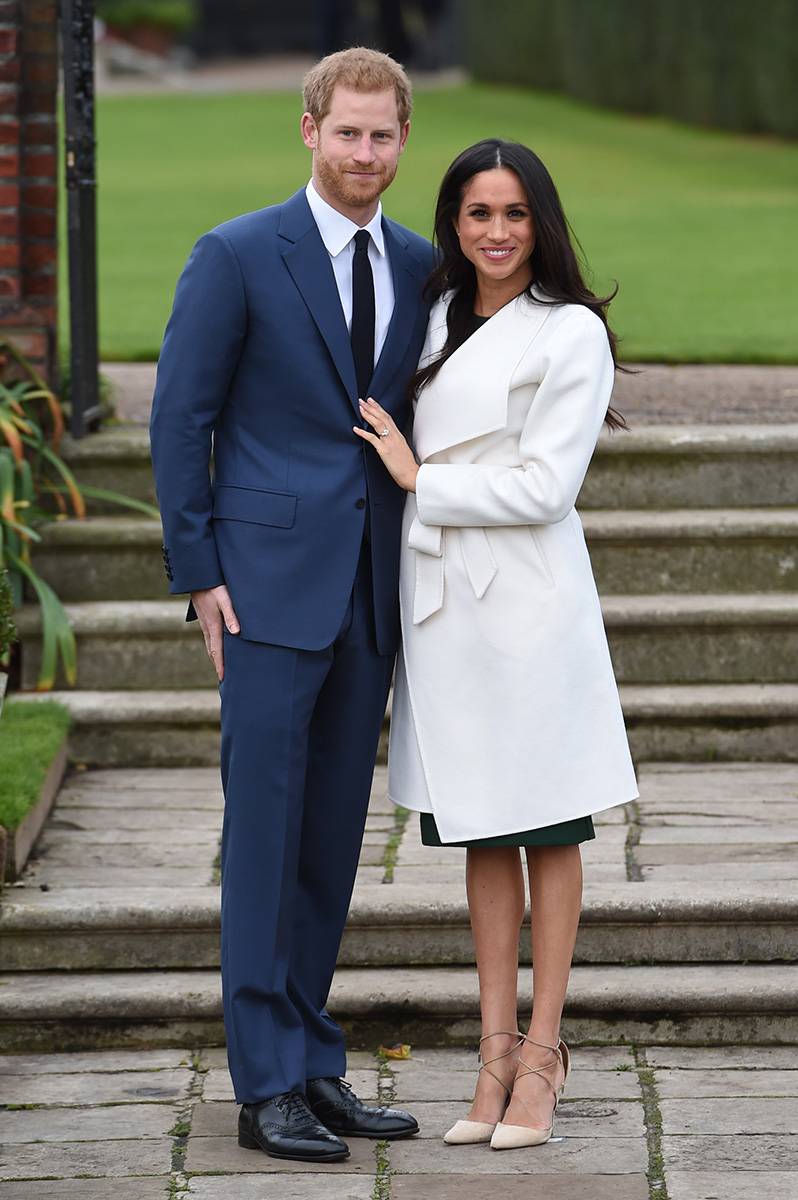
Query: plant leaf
<point x="96" y="493"/>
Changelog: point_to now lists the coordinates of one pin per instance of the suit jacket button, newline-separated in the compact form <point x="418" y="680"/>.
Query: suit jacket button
<point x="361" y="503"/>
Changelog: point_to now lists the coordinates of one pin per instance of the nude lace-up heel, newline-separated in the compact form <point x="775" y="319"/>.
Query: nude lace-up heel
<point x="512" y="1137"/>
<point x="467" y="1133"/>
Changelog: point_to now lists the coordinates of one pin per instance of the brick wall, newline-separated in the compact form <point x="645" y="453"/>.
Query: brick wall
<point x="28" y="177"/>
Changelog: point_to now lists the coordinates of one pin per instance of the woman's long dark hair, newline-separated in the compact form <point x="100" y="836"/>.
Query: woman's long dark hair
<point x="555" y="265"/>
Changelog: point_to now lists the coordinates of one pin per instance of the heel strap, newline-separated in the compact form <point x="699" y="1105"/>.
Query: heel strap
<point x="485" y="1064"/>
<point x="524" y="1069"/>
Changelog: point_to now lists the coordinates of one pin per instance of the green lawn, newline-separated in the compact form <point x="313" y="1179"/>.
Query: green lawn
<point x="698" y="227"/>
<point x="30" y="734"/>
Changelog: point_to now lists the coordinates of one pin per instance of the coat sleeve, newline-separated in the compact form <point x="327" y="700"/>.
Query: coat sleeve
<point x="556" y="443"/>
<point x="199" y="355"/>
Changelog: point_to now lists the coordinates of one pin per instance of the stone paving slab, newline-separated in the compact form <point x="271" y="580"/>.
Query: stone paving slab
<point x="85" y="1189"/>
<point x="103" y="1123"/>
<point x="89" y="1087"/>
<point x="743" y="872"/>
<point x="111" y="855"/>
<point x="732" y="1185"/>
<point x="90" y="1060"/>
<point x="216" y="1155"/>
<point x="84" y="819"/>
<point x="561" y="1155"/>
<point x="766" y="1152"/>
<point x="734" y="1115"/>
<point x="696" y="1084"/>
<point x="107" y="1160"/>
<point x="749" y="835"/>
<point x="84" y="840"/>
<point x="202" y="779"/>
<point x="703" y="1058"/>
<point x="283" y="1187"/>
<point x="509" y="1187"/>
<point x="711" y="852"/>
<point x="58" y="875"/>
<point x="149" y="799"/>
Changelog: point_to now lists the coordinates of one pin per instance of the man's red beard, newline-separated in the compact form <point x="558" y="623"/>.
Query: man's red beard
<point x="341" y="185"/>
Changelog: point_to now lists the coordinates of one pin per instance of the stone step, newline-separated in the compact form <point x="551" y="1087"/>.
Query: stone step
<point x="693" y="550"/>
<point x="652" y="466"/>
<point x="693" y="466"/>
<point x="660" y="1005"/>
<point x="116" y="458"/>
<point x="653" y="639"/>
<point x="686" y="722"/>
<point x="633" y="552"/>
<point x="397" y="925"/>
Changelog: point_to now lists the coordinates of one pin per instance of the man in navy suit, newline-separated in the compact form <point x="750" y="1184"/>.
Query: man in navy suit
<point x="283" y="320"/>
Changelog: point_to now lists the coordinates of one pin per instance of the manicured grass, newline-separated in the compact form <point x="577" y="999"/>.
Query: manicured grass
<point x="697" y="226"/>
<point x="30" y="735"/>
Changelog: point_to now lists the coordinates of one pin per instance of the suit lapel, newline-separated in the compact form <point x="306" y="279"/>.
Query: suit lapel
<point x="309" y="263"/>
<point x="408" y="276"/>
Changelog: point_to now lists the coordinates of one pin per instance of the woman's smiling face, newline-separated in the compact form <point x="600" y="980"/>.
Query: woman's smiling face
<point x="495" y="227"/>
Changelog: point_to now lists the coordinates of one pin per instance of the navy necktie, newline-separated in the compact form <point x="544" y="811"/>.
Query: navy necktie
<point x="362" y="332"/>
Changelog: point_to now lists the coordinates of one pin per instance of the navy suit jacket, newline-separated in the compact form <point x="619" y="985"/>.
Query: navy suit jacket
<point x="256" y="362"/>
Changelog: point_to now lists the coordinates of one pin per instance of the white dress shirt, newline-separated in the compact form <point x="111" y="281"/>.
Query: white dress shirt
<point x="338" y="234"/>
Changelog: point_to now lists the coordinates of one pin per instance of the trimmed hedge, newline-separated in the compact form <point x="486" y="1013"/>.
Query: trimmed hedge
<point x="732" y="64"/>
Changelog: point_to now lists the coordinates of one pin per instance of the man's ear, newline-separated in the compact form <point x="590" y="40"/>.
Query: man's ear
<point x="309" y="130"/>
<point x="404" y="133"/>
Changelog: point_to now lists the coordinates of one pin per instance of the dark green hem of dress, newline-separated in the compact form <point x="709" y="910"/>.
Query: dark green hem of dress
<point x="564" y="833"/>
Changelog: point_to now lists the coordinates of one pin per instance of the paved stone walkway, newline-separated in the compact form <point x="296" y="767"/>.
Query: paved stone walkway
<point x="725" y="823"/>
<point x="656" y="395"/>
<point x="698" y="1124"/>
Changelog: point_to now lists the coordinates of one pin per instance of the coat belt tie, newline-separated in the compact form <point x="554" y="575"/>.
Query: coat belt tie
<point x="429" y="544"/>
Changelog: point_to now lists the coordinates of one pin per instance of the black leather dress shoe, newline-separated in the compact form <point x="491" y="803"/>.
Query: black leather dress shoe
<point x="333" y="1102"/>
<point x="284" y="1127"/>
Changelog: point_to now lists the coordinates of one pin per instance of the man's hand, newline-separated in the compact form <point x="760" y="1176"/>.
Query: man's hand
<point x="214" y="609"/>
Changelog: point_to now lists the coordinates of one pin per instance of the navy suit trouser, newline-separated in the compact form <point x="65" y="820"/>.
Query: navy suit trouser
<point x="299" y="739"/>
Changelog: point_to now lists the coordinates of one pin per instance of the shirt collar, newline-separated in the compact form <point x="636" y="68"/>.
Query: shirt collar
<point x="337" y="230"/>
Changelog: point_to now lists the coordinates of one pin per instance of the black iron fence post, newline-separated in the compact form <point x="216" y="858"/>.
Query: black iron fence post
<point x="77" y="42"/>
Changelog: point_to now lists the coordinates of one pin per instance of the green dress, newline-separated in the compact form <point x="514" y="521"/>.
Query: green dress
<point x="564" y="833"/>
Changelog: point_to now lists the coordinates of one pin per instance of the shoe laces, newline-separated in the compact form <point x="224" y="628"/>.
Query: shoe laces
<point x="345" y="1091"/>
<point x="293" y="1104"/>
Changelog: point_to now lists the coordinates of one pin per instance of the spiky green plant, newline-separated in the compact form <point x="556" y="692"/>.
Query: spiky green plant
<point x="37" y="487"/>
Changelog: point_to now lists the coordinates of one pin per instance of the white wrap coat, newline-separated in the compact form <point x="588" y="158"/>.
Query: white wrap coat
<point x="506" y="714"/>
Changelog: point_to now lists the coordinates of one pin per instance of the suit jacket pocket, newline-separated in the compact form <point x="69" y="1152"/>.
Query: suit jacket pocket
<point x="233" y="503"/>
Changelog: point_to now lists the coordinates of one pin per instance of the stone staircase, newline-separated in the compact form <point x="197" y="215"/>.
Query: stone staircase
<point x="694" y="550"/>
<point x="689" y="928"/>
<point x="690" y="921"/>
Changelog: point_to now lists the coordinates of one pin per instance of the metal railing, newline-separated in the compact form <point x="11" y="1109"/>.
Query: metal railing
<point x="76" y="20"/>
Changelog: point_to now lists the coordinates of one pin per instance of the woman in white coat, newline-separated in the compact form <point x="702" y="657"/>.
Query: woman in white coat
<point x="506" y="726"/>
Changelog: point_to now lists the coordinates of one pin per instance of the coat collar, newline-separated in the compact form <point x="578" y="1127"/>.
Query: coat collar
<point x="308" y="261"/>
<point x="468" y="397"/>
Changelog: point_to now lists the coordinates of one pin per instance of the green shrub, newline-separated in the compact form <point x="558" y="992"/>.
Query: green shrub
<point x="708" y="63"/>
<point x="172" y="16"/>
<point x="30" y="734"/>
